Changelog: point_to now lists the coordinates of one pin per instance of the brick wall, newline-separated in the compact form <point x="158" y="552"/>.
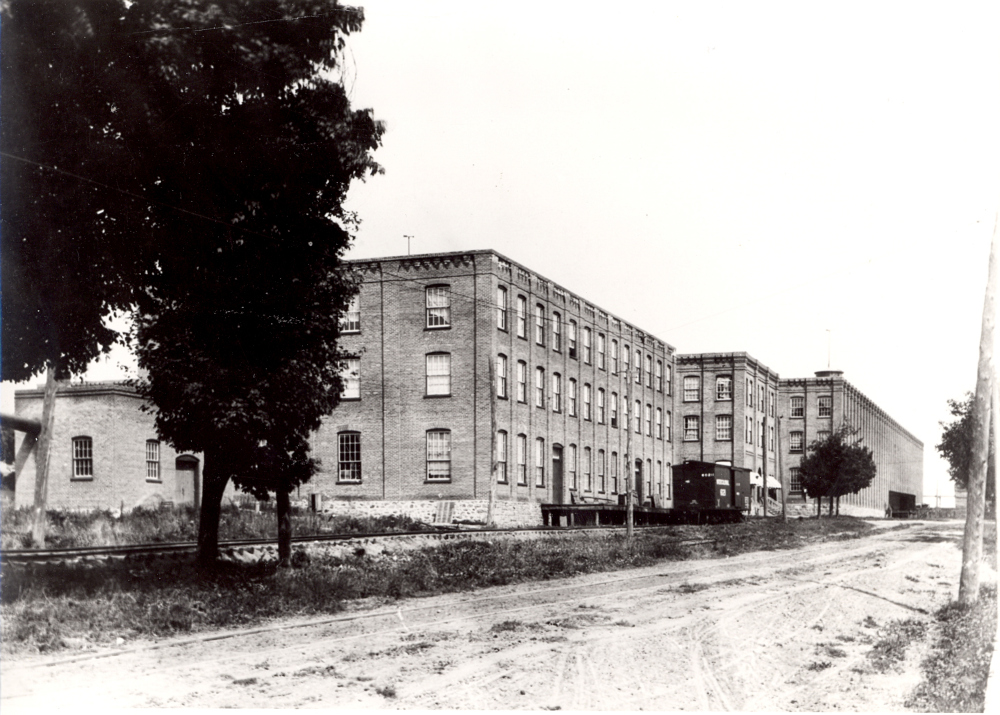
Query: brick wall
<point x="506" y="513"/>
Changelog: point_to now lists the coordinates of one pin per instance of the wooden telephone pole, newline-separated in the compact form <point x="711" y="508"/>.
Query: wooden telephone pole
<point x="972" y="545"/>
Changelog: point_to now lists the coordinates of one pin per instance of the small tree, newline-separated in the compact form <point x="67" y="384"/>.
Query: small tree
<point x="835" y="466"/>
<point x="956" y="447"/>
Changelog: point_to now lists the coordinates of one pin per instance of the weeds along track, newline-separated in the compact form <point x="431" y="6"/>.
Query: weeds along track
<point x="266" y="549"/>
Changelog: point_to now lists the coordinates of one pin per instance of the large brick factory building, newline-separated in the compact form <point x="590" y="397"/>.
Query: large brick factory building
<point x="470" y="374"/>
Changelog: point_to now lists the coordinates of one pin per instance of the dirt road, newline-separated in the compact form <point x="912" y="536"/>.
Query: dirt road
<point x="784" y="630"/>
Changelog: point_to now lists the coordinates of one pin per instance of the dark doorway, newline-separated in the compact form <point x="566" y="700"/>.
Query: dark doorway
<point x="558" y="492"/>
<point x="637" y="482"/>
<point x="187" y="485"/>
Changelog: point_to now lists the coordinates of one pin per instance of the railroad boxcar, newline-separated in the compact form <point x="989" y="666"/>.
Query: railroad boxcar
<point x="711" y="492"/>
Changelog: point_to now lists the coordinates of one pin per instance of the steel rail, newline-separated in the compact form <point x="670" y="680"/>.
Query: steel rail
<point x="96" y="553"/>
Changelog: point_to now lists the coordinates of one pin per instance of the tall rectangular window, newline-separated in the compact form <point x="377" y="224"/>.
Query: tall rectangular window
<point x="601" y="352"/>
<point x="522" y="381"/>
<point x="724" y="428"/>
<point x="638" y="367"/>
<point x="748" y="429"/>
<point x="438" y="307"/>
<point x="439" y="455"/>
<point x="572" y="397"/>
<point x="826" y="406"/>
<point x="723" y="387"/>
<point x="556" y="392"/>
<point x="795" y="482"/>
<point x="522" y="460"/>
<point x="770" y="443"/>
<point x="649" y="370"/>
<point x="659" y="376"/>
<point x="501" y="457"/>
<point x="692" y="388"/>
<point x="540" y="324"/>
<point x="822" y="434"/>
<point x="586" y="402"/>
<point x="351" y="379"/>
<point x="614" y="357"/>
<point x="798" y="406"/>
<point x="501" y="376"/>
<point x="749" y="392"/>
<point x="571" y="338"/>
<point x="586" y="345"/>
<point x="439" y="374"/>
<point x="626" y="353"/>
<point x="668" y="374"/>
<point x="691" y="430"/>
<point x="614" y="409"/>
<point x="600" y="405"/>
<point x="522" y="317"/>
<point x="614" y="473"/>
<point x="83" y="458"/>
<point x="760" y="398"/>
<point x="349" y="457"/>
<point x="602" y="478"/>
<point x="539" y="462"/>
<point x="152" y="460"/>
<point x="571" y="467"/>
<point x="625" y="411"/>
<point x="795" y="442"/>
<point x="649" y="420"/>
<point x="771" y="405"/>
<point x="539" y="387"/>
<point x="501" y="308"/>
<point x="557" y="332"/>
<point x="659" y="422"/>
<point x="588" y="476"/>
<point x="351" y="320"/>
<point x="667" y="424"/>
<point x="638" y="417"/>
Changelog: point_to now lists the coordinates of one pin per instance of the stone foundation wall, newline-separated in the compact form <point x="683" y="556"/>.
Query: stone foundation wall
<point x="506" y="513"/>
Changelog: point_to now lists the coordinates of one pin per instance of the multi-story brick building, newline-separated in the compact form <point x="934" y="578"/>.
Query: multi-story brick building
<point x="105" y="452"/>
<point x="473" y="379"/>
<point x="726" y="410"/>
<point x="811" y="408"/>
<point x="471" y="373"/>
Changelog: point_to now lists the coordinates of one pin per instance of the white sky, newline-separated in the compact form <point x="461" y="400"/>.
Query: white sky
<point x="730" y="176"/>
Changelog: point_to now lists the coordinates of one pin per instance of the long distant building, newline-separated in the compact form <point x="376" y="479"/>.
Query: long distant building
<point x="473" y="379"/>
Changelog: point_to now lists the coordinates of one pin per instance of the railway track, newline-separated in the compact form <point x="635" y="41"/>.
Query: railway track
<point x="178" y="549"/>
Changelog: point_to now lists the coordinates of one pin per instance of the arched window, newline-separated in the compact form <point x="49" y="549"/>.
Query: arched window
<point x="351" y="379"/>
<point x="586" y="402"/>
<point x="571" y="467"/>
<point x="600" y="405"/>
<point x="539" y="387"/>
<point x="571" y="337"/>
<point x="588" y="476"/>
<point x="601" y="358"/>
<point x="522" y="381"/>
<point x="502" y="376"/>
<point x="539" y="462"/>
<point x="522" y="317"/>
<point x="692" y="388"/>
<point x="438" y="306"/>
<point x="540" y="324"/>
<point x="586" y="345"/>
<point x="572" y="397"/>
<point x="349" y="457"/>
<point x="556" y="332"/>
<point x="83" y="458"/>
<point x="614" y="409"/>
<point x="350" y="321"/>
<point x="501" y="457"/>
<point x="614" y="357"/>
<point x="602" y="479"/>
<point x="439" y="455"/>
<point x="556" y="392"/>
<point x="522" y="460"/>
<point x="501" y="308"/>
<point x="439" y="374"/>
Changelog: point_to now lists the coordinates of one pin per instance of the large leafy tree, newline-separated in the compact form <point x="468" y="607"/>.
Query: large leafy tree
<point x="956" y="446"/>
<point x="188" y="158"/>
<point x="836" y="465"/>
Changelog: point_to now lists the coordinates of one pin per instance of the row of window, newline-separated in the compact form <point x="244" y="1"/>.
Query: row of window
<point x="438" y="456"/>
<point x="824" y="406"/>
<point x="654" y="374"/>
<point x="724" y="392"/>
<point x="556" y="396"/>
<point x="796" y="439"/>
<point x="83" y="459"/>
<point x="579" y="474"/>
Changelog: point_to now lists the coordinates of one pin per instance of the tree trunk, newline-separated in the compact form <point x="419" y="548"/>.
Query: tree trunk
<point x="819" y="507"/>
<point x="284" y="529"/>
<point x="44" y="449"/>
<point x="972" y="546"/>
<point x="213" y="487"/>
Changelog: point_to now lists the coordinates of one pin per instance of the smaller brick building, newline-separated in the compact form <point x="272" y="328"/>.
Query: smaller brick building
<point x="105" y="452"/>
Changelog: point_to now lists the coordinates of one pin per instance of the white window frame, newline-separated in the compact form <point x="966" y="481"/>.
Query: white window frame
<point x="153" y="460"/>
<point x="83" y="457"/>
<point x="502" y="308"/>
<point x="439" y="455"/>
<point x="438" y="306"/>
<point x="350" y="322"/>
<point x="723" y="428"/>
<point x="438" y="374"/>
<point x="349" y="457"/>
<point x="692" y="388"/>
<point x="692" y="428"/>
<point x="351" y="379"/>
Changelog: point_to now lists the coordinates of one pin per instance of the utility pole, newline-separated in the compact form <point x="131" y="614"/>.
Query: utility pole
<point x="972" y="546"/>
<point x="629" y="509"/>
<point x="763" y="464"/>
<point x="781" y="472"/>
<point x="490" y="516"/>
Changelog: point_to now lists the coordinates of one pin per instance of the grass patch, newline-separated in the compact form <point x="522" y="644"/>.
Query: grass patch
<point x="153" y="526"/>
<point x="890" y="649"/>
<point x="956" y="671"/>
<point x="73" y="606"/>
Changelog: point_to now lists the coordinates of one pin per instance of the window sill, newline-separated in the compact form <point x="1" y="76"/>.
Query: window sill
<point x="722" y="439"/>
<point x="502" y="397"/>
<point x="350" y="332"/>
<point x="350" y="399"/>
<point x="437" y="327"/>
<point x="437" y="481"/>
<point x="348" y="481"/>
<point x="81" y="479"/>
<point x="436" y="397"/>
<point x="154" y="481"/>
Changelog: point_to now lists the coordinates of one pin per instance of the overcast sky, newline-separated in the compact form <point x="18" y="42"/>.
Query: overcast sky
<point x="740" y="176"/>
